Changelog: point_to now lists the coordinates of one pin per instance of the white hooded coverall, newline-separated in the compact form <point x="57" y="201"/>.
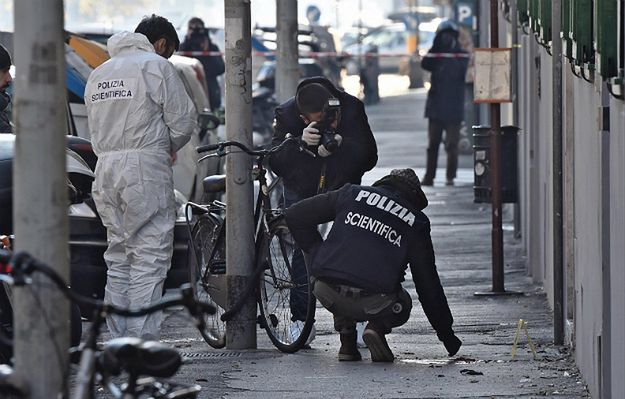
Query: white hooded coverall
<point x="139" y="114"/>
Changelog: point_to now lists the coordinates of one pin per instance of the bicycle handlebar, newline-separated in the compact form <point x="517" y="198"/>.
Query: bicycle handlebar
<point x="220" y="148"/>
<point x="24" y="264"/>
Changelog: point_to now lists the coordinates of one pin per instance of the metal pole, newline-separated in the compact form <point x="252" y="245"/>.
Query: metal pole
<point x="515" y="90"/>
<point x="558" y="208"/>
<point x="359" y="36"/>
<point x="241" y="330"/>
<point x="495" y="145"/>
<point x="287" y="66"/>
<point x="606" y="239"/>
<point x="41" y="313"/>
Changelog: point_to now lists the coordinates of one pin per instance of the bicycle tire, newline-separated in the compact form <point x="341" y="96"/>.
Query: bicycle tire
<point x="275" y="290"/>
<point x="207" y="274"/>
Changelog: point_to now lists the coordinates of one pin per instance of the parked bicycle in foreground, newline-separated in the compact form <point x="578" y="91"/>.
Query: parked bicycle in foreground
<point x="275" y="283"/>
<point x="145" y="364"/>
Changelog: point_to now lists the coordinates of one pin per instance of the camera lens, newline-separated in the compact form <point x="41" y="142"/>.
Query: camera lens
<point x="329" y="142"/>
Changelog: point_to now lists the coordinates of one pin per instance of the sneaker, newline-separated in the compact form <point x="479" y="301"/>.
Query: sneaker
<point x="376" y="341"/>
<point x="295" y="330"/>
<point x="449" y="182"/>
<point x="349" y="350"/>
<point x="360" y="328"/>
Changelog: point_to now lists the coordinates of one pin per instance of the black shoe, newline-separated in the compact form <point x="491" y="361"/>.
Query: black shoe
<point x="376" y="342"/>
<point x="349" y="349"/>
<point x="427" y="182"/>
<point x="449" y="182"/>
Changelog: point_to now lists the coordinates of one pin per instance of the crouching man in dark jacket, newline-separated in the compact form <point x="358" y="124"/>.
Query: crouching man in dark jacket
<point x="358" y="270"/>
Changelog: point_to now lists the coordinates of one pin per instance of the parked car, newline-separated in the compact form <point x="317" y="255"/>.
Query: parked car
<point x="87" y="240"/>
<point x="391" y="42"/>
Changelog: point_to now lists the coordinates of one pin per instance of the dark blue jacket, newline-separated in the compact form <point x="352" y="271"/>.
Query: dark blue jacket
<point x="445" y="101"/>
<point x="377" y="232"/>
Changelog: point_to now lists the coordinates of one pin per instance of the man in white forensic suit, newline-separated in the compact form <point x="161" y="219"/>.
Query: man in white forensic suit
<point x="139" y="116"/>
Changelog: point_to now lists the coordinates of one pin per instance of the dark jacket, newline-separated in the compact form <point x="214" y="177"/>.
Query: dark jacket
<point x="213" y="67"/>
<point x="357" y="154"/>
<point x="213" y="64"/>
<point x="377" y="232"/>
<point x="445" y="101"/>
<point x="5" y="124"/>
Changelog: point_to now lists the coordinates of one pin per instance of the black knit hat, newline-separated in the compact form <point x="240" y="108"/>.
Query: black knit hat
<point x="406" y="182"/>
<point x="409" y="176"/>
<point x="5" y="58"/>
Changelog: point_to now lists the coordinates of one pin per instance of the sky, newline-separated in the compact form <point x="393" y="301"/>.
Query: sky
<point x="125" y="14"/>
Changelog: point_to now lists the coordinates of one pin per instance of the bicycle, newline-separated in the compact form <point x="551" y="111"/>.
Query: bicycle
<point x="6" y="313"/>
<point x="273" y="281"/>
<point x="146" y="363"/>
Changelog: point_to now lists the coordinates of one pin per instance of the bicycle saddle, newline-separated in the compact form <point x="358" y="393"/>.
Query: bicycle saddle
<point x="214" y="184"/>
<point x="139" y="357"/>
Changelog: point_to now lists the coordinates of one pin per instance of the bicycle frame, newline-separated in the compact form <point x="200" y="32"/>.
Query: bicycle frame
<point x="273" y="250"/>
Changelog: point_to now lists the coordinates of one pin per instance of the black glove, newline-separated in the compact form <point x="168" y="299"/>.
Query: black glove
<point x="452" y="344"/>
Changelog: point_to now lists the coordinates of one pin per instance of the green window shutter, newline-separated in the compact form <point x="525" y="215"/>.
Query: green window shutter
<point x="522" y="10"/>
<point x="607" y="38"/>
<point x="582" y="32"/>
<point x="534" y="8"/>
<point x="544" y="21"/>
<point x="566" y="28"/>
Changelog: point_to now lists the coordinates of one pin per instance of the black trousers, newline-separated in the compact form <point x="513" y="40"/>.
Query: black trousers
<point x="435" y="135"/>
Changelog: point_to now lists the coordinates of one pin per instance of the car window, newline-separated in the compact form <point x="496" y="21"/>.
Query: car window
<point x="426" y="39"/>
<point x="384" y="38"/>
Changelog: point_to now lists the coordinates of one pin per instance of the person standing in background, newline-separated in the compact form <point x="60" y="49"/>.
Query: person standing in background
<point x="445" y="102"/>
<point x="5" y="81"/>
<point x="198" y="39"/>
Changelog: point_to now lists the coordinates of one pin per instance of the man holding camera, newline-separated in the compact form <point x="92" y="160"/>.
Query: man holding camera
<point x="359" y="269"/>
<point x="337" y="147"/>
<point x="197" y="39"/>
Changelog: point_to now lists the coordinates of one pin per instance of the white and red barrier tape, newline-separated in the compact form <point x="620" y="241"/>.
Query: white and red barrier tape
<point x="330" y="54"/>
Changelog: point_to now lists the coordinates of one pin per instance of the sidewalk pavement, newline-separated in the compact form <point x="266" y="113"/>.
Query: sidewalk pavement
<point x="483" y="368"/>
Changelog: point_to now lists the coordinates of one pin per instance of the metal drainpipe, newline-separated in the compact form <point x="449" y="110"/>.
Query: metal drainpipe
<point x="558" y="231"/>
<point x="515" y="89"/>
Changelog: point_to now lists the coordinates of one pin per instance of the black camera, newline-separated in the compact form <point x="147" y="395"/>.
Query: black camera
<point x="330" y="113"/>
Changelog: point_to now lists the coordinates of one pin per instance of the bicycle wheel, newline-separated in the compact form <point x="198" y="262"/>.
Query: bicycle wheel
<point x="207" y="270"/>
<point x="287" y="304"/>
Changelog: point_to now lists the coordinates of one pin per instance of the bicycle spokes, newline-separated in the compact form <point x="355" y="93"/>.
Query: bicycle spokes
<point x="285" y="294"/>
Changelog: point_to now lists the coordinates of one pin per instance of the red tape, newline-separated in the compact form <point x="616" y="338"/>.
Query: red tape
<point x="326" y="54"/>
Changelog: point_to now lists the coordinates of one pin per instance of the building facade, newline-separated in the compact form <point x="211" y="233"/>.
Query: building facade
<point x="593" y="174"/>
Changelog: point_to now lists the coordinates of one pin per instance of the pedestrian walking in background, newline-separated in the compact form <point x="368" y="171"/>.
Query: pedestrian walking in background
<point x="198" y="39"/>
<point x="444" y="107"/>
<point x="358" y="270"/>
<point x="139" y="116"/>
<point x="5" y="81"/>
